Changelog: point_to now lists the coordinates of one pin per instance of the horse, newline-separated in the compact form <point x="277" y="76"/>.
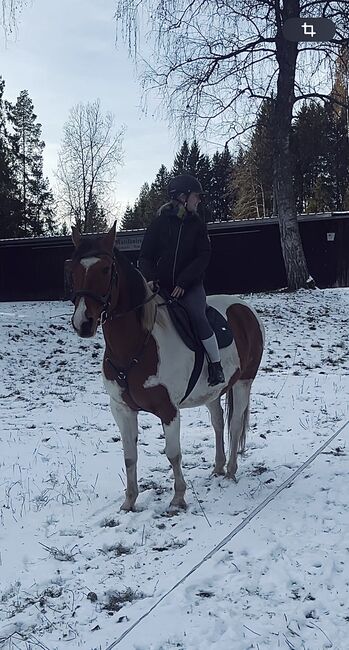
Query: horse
<point x="146" y="365"/>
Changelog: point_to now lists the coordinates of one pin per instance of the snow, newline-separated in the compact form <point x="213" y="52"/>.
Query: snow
<point x="75" y="572"/>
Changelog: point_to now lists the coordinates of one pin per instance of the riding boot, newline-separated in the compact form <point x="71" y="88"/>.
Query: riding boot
<point x="215" y="373"/>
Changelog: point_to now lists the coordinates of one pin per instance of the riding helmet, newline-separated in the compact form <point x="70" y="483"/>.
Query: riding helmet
<point x="183" y="184"/>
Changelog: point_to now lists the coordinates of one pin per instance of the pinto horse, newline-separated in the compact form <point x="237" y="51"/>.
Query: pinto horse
<point x="146" y="365"/>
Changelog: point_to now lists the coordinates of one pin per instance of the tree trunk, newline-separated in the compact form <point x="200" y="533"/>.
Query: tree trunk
<point x="286" y="53"/>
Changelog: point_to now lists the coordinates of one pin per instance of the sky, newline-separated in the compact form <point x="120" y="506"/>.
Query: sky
<point x="64" y="52"/>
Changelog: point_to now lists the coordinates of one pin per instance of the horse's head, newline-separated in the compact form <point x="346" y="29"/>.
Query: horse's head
<point x="93" y="275"/>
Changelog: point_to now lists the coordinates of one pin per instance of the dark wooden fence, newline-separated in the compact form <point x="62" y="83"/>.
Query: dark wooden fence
<point x="246" y="256"/>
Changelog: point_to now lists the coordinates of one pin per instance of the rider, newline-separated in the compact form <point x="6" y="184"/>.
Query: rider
<point x="175" y="252"/>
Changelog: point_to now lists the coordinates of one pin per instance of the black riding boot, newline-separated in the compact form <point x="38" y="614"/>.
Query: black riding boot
<point x="215" y="373"/>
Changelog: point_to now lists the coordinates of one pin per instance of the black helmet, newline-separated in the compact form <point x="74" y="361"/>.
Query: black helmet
<point x="183" y="184"/>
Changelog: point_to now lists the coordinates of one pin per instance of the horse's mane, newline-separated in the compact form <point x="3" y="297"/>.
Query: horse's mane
<point x="139" y="290"/>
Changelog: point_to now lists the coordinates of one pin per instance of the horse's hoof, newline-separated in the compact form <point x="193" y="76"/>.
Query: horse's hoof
<point x="218" y="471"/>
<point x="176" y="505"/>
<point x="231" y="476"/>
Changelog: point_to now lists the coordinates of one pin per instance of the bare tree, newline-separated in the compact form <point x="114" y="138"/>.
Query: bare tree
<point x="90" y="153"/>
<point x="9" y="14"/>
<point x="215" y="61"/>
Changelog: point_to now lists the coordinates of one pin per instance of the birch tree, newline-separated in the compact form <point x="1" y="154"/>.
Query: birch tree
<point x="90" y="154"/>
<point x="9" y="14"/>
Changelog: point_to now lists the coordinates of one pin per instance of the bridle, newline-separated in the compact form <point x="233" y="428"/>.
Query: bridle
<point x="105" y="300"/>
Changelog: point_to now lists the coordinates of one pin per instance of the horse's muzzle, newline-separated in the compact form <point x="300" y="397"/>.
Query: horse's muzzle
<point x="86" y="330"/>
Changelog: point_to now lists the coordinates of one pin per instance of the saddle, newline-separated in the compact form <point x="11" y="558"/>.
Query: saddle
<point x="182" y="323"/>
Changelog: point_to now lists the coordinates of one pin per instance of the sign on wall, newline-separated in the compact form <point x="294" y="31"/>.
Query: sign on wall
<point x="129" y="242"/>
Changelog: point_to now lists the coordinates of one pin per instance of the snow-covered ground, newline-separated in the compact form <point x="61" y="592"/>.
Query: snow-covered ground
<point x="75" y="572"/>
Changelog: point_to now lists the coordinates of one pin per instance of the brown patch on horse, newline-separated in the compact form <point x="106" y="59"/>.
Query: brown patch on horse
<point x="233" y="379"/>
<point x="248" y="339"/>
<point x="153" y="399"/>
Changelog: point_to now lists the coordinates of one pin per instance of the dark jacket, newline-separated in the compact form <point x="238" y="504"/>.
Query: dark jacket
<point x="176" y="249"/>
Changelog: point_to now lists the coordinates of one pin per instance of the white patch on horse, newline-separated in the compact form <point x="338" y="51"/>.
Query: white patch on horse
<point x="80" y="311"/>
<point x="86" y="262"/>
<point x="174" y="368"/>
<point x="80" y="314"/>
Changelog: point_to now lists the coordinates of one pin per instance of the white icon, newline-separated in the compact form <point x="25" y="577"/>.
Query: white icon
<point x="308" y="30"/>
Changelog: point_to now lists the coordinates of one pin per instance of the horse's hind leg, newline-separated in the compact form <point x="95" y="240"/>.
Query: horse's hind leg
<point x="126" y="419"/>
<point x="238" y="422"/>
<point x="217" y="420"/>
<point x="173" y="453"/>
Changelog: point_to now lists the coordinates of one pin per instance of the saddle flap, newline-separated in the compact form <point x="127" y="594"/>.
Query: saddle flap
<point x="182" y="323"/>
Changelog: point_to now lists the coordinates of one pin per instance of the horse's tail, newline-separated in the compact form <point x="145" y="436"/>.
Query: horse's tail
<point x="229" y="410"/>
<point x="245" y="425"/>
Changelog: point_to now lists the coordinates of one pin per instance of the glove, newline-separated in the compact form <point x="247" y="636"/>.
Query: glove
<point x="154" y="286"/>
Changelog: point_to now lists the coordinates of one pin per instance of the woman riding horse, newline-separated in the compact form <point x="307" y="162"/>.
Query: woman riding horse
<point x="146" y="364"/>
<point x="175" y="252"/>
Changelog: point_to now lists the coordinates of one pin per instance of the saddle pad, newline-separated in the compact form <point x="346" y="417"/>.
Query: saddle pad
<point x="220" y="327"/>
<point x="182" y="324"/>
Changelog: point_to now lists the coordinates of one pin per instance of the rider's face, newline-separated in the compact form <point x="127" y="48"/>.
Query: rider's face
<point x="193" y="201"/>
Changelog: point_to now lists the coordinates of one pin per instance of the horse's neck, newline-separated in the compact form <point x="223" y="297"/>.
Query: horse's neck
<point x="123" y="334"/>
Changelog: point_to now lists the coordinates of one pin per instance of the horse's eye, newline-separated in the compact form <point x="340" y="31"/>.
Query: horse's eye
<point x="105" y="270"/>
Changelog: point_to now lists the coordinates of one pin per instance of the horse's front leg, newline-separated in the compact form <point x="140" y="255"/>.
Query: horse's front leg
<point x="126" y="419"/>
<point x="173" y="453"/>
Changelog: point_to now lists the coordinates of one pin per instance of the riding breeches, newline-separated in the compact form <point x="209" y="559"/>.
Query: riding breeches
<point x="194" y="300"/>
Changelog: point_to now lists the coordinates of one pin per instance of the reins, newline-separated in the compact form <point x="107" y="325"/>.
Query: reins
<point x="114" y="314"/>
<point x="105" y="300"/>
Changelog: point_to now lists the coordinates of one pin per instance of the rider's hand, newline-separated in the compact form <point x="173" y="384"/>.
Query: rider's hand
<point x="153" y="285"/>
<point x="177" y="292"/>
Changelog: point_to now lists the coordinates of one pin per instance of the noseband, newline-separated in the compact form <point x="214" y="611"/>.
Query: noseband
<point x="105" y="300"/>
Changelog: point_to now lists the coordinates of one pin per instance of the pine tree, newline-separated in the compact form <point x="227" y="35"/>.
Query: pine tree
<point x="340" y="90"/>
<point x="64" y="230"/>
<point x="222" y="191"/>
<point x="194" y="157"/>
<point x="189" y="160"/>
<point x="245" y="183"/>
<point x="157" y="194"/>
<point x="340" y="131"/>
<point x="336" y="154"/>
<point x="253" y="176"/>
<point x="35" y="196"/>
<point x="9" y="204"/>
<point x="95" y="216"/>
<point x="262" y="158"/>
<point x="314" y="158"/>
<point x="180" y="165"/>
<point x="140" y="210"/>
<point x="204" y="175"/>
<point x="128" y="221"/>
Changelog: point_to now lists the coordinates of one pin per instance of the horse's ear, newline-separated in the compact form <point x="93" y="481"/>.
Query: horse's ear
<point x="75" y="236"/>
<point x="109" y="238"/>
